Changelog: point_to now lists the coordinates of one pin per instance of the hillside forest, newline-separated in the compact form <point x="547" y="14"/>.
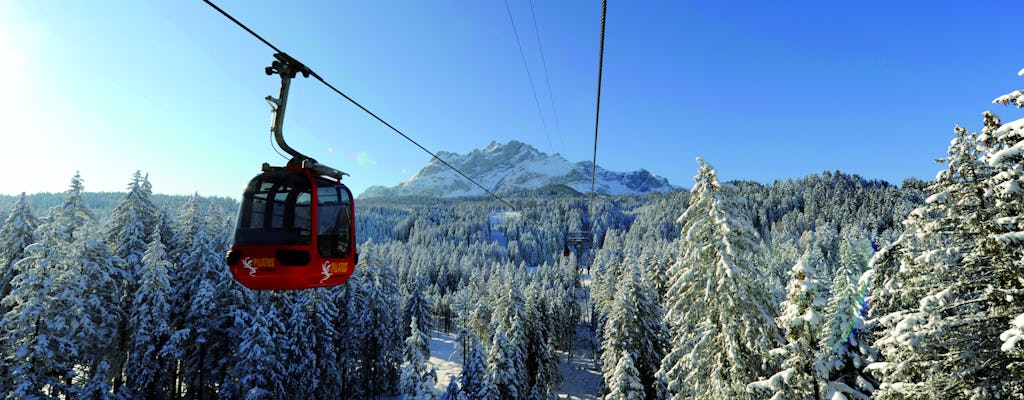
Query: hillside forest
<point x="830" y="286"/>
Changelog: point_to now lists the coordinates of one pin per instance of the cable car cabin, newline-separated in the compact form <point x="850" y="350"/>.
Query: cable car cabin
<point x="295" y="230"/>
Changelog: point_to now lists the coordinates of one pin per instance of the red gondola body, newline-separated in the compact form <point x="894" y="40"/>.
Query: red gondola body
<point x="295" y="230"/>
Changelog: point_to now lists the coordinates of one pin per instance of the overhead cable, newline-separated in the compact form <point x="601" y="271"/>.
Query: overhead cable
<point x="597" y="114"/>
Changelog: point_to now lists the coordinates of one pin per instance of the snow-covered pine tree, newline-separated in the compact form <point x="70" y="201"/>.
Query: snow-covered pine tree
<point x="16" y="233"/>
<point x="803" y="374"/>
<point x="261" y="369"/>
<point x="39" y="335"/>
<point x="716" y="305"/>
<point x="473" y="382"/>
<point x="1007" y="220"/>
<point x="349" y="322"/>
<point x="33" y="335"/>
<point x="381" y="351"/>
<point x="624" y="383"/>
<point x="634" y="325"/>
<point x="73" y="212"/>
<point x="945" y="314"/>
<point x="128" y="231"/>
<point x="418" y="376"/>
<point x="90" y="293"/>
<point x="541" y="362"/>
<point x="845" y="337"/>
<point x="131" y="224"/>
<point x="505" y="373"/>
<point x="202" y="312"/>
<point x="323" y="345"/>
<point x="304" y="346"/>
<point x="98" y="386"/>
<point x="146" y="370"/>
<point x="452" y="392"/>
<point x="844" y="305"/>
<point x="509" y="318"/>
<point x="418" y="306"/>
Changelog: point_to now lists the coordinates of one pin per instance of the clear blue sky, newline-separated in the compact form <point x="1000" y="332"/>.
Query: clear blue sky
<point x="762" y="90"/>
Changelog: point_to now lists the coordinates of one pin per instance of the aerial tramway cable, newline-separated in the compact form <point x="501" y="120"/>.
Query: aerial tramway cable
<point x="579" y="238"/>
<point x="597" y="113"/>
<point x="529" y="76"/>
<point x="547" y="78"/>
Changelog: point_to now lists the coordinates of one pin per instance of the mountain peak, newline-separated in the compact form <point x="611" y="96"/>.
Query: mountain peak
<point x="515" y="167"/>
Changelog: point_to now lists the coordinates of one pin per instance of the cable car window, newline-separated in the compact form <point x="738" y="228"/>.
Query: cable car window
<point x="276" y="209"/>
<point x="258" y="207"/>
<point x="333" y="220"/>
<point x="279" y="208"/>
<point x="303" y="216"/>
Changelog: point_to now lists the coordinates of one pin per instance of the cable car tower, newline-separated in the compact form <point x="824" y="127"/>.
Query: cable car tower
<point x="581" y="244"/>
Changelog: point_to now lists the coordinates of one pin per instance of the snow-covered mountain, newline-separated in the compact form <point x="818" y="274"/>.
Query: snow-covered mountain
<point x="513" y="168"/>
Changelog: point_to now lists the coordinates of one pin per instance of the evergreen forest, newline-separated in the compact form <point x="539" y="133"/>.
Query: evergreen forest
<point x="830" y="286"/>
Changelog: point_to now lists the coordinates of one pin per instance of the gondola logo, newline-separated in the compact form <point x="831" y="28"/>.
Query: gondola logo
<point x="252" y="264"/>
<point x="247" y="264"/>
<point x="326" y="270"/>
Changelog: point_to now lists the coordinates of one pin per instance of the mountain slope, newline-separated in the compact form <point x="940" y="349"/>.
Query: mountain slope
<point x="513" y="168"/>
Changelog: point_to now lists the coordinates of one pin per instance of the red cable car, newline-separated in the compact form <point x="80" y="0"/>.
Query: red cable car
<point x="296" y="224"/>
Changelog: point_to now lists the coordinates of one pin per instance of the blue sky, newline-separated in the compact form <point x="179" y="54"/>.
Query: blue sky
<point x="762" y="90"/>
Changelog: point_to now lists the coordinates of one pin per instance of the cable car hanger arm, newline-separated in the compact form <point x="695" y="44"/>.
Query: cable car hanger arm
<point x="288" y="67"/>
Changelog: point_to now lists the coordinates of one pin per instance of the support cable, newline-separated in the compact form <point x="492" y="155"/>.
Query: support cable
<point x="597" y="114"/>
<point x="529" y="76"/>
<point x="547" y="78"/>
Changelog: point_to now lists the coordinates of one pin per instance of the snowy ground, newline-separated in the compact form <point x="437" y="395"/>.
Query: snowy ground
<point x="495" y="219"/>
<point x="580" y="376"/>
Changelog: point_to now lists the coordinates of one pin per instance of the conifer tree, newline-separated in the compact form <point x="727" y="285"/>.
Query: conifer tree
<point x="505" y="373"/>
<point x="260" y="369"/>
<point x="945" y="315"/>
<point x="16" y="233"/>
<point x="90" y="290"/>
<point x="473" y="380"/>
<point x="418" y="306"/>
<point x="39" y="337"/>
<point x="1006" y="222"/>
<point x="98" y="387"/>
<point x="452" y="392"/>
<point x="803" y="374"/>
<point x="322" y="346"/>
<point x="716" y="305"/>
<point x="381" y="352"/>
<point x="34" y="336"/>
<point x="624" y="383"/>
<point x="73" y="212"/>
<point x="541" y="364"/>
<point x="350" y="323"/>
<point x="128" y="233"/>
<point x="132" y="222"/>
<point x="202" y="312"/>
<point x="418" y="376"/>
<point x="634" y="325"/>
<point x="148" y="323"/>
<point x="845" y="334"/>
<point x="510" y="319"/>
